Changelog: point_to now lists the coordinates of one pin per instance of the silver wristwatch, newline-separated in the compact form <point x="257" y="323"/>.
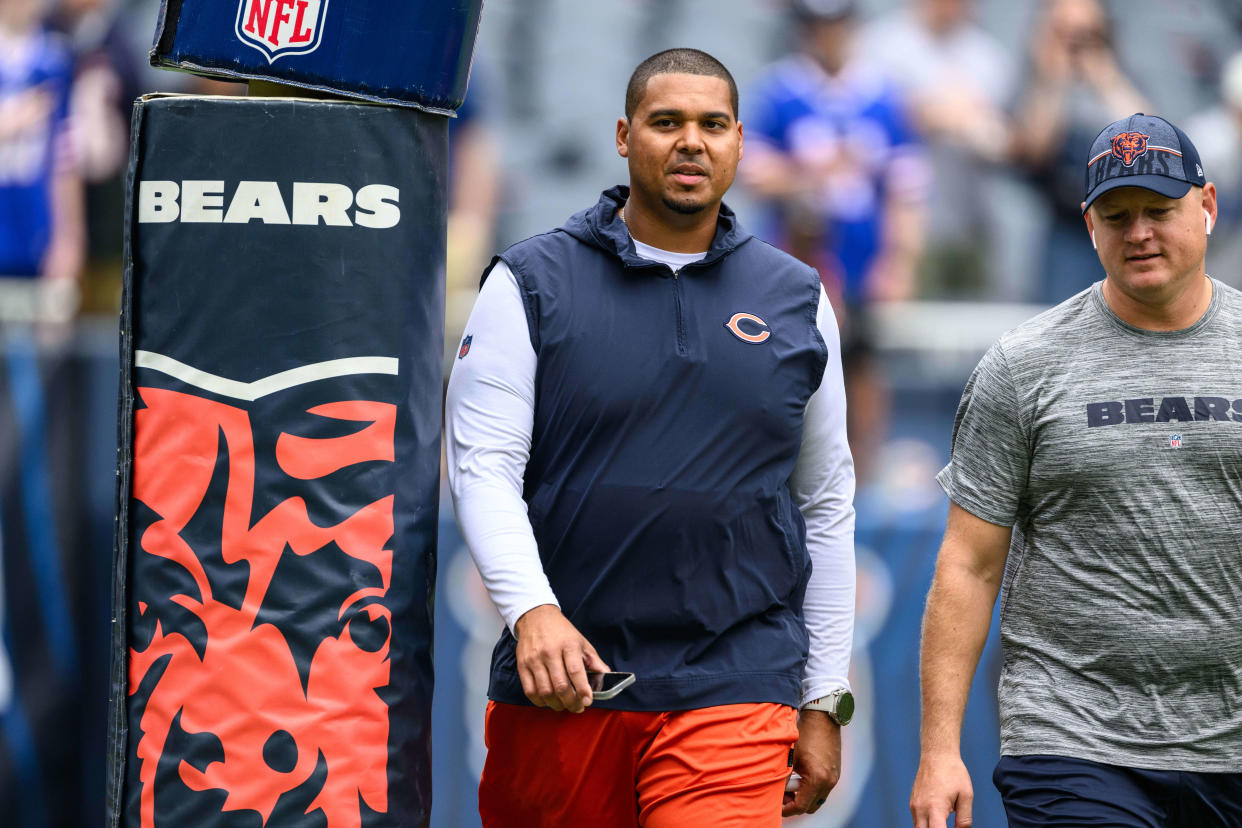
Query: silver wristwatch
<point x="839" y="706"/>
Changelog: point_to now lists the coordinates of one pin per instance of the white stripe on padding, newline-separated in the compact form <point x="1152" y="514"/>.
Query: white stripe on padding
<point x="251" y="391"/>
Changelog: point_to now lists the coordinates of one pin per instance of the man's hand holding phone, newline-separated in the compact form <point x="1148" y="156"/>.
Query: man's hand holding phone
<point x="553" y="659"/>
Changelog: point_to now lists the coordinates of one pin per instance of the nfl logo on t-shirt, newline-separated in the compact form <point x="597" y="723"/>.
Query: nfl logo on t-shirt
<point x="1175" y="441"/>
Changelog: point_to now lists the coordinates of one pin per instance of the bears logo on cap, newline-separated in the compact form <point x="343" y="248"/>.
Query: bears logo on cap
<point x="1128" y="146"/>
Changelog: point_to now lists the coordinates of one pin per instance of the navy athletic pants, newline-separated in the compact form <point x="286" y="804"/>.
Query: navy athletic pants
<point x="1040" y="791"/>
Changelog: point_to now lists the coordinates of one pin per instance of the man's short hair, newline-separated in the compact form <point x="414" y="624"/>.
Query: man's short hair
<point x="675" y="61"/>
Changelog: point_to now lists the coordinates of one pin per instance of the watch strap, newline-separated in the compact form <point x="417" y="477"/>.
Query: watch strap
<point x="833" y="706"/>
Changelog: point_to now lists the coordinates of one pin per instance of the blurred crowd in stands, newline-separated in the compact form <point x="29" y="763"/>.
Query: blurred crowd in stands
<point x="909" y="149"/>
<point x="925" y="155"/>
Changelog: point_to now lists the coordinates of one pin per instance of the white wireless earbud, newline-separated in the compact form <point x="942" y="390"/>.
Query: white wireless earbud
<point x="1207" y="222"/>
<point x="1093" y="245"/>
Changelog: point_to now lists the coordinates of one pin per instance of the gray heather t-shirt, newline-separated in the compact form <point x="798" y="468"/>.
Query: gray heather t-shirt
<point x="1116" y="455"/>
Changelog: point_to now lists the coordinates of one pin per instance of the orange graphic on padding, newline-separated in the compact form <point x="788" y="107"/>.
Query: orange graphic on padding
<point x="246" y="687"/>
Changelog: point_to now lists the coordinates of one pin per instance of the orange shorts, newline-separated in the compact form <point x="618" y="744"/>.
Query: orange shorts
<point x="721" y="766"/>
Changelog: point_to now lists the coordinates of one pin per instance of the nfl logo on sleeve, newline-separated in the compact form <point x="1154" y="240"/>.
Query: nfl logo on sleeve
<point x="1175" y="441"/>
<point x="281" y="27"/>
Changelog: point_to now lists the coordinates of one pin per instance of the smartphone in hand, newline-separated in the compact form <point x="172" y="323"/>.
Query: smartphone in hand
<point x="605" y="686"/>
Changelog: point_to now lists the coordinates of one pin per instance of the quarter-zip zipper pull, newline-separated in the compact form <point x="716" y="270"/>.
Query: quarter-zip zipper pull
<point x="681" y="319"/>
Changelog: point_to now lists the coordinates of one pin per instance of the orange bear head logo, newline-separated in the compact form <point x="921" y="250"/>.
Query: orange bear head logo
<point x="1129" y="145"/>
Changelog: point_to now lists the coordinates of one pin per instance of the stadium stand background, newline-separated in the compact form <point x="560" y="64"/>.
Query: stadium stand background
<point x="546" y="90"/>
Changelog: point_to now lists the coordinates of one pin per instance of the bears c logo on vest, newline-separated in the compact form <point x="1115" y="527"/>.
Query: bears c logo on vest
<point x="735" y="327"/>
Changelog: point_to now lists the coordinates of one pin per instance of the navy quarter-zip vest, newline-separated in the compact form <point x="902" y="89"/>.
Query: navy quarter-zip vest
<point x="668" y="418"/>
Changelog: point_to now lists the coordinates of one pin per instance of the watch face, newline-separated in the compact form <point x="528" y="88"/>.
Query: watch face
<point x="845" y="708"/>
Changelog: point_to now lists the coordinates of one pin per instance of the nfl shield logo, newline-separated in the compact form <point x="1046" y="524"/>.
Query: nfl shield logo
<point x="465" y="346"/>
<point x="1175" y="441"/>
<point x="281" y="27"/>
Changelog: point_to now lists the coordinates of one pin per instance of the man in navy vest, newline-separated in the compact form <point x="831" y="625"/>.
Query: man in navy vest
<point x="647" y="453"/>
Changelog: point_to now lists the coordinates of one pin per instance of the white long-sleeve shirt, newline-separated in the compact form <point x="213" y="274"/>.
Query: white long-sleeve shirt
<point x="489" y="419"/>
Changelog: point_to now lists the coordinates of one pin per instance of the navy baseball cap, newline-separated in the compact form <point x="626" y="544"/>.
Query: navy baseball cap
<point x="1142" y="151"/>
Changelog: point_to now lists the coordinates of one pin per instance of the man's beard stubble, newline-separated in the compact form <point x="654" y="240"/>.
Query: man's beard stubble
<point x="686" y="208"/>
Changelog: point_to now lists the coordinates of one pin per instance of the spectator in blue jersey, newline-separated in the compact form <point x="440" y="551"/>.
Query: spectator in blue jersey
<point x="645" y="433"/>
<point x="42" y="227"/>
<point x="843" y="174"/>
<point x="830" y="150"/>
